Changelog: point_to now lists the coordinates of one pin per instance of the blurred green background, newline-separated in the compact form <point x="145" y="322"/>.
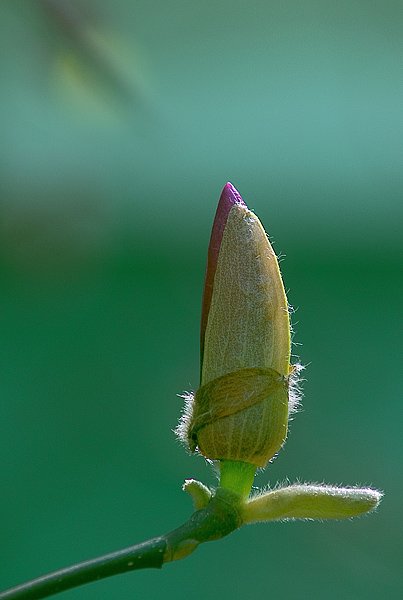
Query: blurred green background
<point x="119" y="125"/>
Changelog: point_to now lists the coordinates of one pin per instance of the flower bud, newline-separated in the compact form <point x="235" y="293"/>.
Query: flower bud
<point x="240" y="411"/>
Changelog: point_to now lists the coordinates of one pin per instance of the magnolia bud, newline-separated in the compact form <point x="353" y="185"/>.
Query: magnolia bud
<point x="240" y="411"/>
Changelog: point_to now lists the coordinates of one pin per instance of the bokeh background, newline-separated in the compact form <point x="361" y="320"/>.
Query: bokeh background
<point x="120" y="122"/>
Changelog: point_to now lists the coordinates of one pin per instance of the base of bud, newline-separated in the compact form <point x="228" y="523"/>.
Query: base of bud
<point x="237" y="476"/>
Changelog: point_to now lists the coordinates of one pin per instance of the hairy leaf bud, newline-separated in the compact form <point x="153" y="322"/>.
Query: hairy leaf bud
<point x="310" y="501"/>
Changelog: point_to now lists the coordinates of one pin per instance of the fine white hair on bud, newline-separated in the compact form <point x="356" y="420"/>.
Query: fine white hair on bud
<point x="294" y="389"/>
<point x="182" y="429"/>
<point x="310" y="501"/>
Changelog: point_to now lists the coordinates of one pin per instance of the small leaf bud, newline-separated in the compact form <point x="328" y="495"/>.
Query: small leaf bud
<point x="199" y="493"/>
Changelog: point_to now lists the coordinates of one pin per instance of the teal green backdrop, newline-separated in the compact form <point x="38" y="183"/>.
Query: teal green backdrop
<point x="119" y="125"/>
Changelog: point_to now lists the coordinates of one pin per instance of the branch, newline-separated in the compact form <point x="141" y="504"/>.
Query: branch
<point x="219" y="518"/>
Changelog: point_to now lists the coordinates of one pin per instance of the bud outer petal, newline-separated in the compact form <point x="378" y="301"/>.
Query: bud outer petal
<point x="247" y="327"/>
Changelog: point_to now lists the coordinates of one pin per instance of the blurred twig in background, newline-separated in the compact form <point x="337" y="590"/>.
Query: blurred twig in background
<point x="92" y="60"/>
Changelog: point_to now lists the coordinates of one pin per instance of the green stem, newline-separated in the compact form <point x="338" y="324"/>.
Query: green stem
<point x="216" y="520"/>
<point x="149" y="554"/>
<point x="237" y="476"/>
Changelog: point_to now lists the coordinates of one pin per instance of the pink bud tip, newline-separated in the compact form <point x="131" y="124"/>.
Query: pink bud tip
<point x="229" y="197"/>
